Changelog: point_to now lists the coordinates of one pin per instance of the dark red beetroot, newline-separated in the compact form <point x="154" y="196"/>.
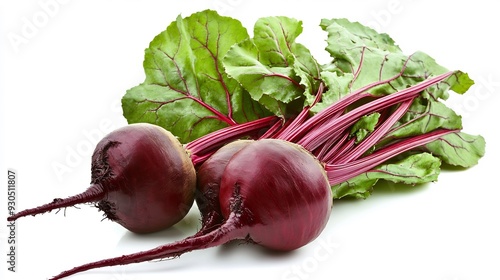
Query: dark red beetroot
<point x="272" y="192"/>
<point x="142" y="178"/>
<point x="209" y="176"/>
<point x="278" y="194"/>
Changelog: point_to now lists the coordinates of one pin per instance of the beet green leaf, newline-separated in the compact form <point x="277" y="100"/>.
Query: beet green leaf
<point x="411" y="169"/>
<point x="458" y="149"/>
<point x="364" y="57"/>
<point x="272" y="67"/>
<point x="186" y="89"/>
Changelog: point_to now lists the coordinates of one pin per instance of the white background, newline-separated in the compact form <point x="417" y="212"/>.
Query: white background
<point x="60" y="92"/>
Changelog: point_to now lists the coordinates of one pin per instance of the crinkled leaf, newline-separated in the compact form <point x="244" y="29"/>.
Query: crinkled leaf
<point x="459" y="82"/>
<point x="308" y="69"/>
<point x="337" y="86"/>
<point x="274" y="37"/>
<point x="360" y="186"/>
<point x="425" y="116"/>
<point x="462" y="83"/>
<point x="365" y="125"/>
<point x="369" y="57"/>
<point x="186" y="89"/>
<point x="271" y="86"/>
<point x="459" y="148"/>
<point x="413" y="169"/>
<point x="272" y="67"/>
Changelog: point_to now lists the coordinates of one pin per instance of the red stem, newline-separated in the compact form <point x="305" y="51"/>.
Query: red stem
<point x="376" y="135"/>
<point x="338" y="173"/>
<point x="331" y="148"/>
<point x="340" y="105"/>
<point x="204" y="146"/>
<point x="328" y="113"/>
<point x="341" y="149"/>
<point x="274" y="129"/>
<point x="319" y="136"/>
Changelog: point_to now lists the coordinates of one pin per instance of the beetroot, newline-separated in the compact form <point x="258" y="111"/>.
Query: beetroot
<point x="142" y="178"/>
<point x="277" y="192"/>
<point x="209" y="177"/>
<point x="272" y="192"/>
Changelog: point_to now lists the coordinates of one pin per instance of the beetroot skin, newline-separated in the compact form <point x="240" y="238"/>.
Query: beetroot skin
<point x="209" y="177"/>
<point x="152" y="180"/>
<point x="142" y="178"/>
<point x="278" y="192"/>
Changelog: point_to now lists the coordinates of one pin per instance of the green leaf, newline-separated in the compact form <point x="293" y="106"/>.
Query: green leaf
<point x="337" y="87"/>
<point x="364" y="126"/>
<point x="186" y="89"/>
<point x="411" y="169"/>
<point x="369" y="57"/>
<point x="272" y="67"/>
<point x="308" y="69"/>
<point x="363" y="57"/>
<point x="271" y="86"/>
<point x="462" y="83"/>
<point x="459" y="82"/>
<point x="459" y="149"/>
<point x="425" y="115"/>
<point x="274" y="37"/>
